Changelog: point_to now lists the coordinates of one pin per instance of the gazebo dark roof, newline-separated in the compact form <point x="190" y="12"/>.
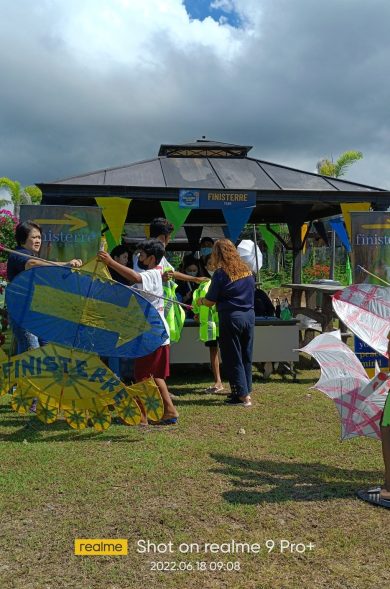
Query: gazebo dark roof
<point x="283" y="194"/>
<point x="205" y="148"/>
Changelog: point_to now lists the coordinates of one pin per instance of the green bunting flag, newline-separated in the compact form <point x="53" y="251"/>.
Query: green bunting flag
<point x="348" y="271"/>
<point x="175" y="214"/>
<point x="268" y="237"/>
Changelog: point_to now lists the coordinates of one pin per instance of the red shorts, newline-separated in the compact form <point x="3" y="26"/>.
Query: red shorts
<point x="155" y="364"/>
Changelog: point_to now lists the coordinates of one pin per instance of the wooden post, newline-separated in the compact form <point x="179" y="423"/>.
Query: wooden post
<point x="295" y="233"/>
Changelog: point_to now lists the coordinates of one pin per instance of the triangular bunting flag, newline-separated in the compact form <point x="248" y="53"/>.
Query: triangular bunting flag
<point x="339" y="228"/>
<point x="193" y="236"/>
<point x="174" y="213"/>
<point x="320" y="228"/>
<point x="236" y="220"/>
<point x="304" y="230"/>
<point x="348" y="271"/>
<point x="268" y="238"/>
<point x="353" y="207"/>
<point x="111" y="243"/>
<point x="115" y="213"/>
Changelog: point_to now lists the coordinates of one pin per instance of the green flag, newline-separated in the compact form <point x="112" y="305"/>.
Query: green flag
<point x="268" y="237"/>
<point x="348" y="271"/>
<point x="175" y="214"/>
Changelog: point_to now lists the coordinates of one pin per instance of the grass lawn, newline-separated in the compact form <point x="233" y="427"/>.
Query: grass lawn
<point x="275" y="472"/>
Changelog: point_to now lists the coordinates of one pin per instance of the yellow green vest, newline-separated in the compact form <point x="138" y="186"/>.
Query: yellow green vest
<point x="174" y="314"/>
<point x="208" y="316"/>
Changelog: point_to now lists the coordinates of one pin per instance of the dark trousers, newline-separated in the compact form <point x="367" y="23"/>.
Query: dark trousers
<point x="236" y="345"/>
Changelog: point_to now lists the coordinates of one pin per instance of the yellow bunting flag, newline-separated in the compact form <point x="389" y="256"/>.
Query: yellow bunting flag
<point x="353" y="207"/>
<point x="115" y="213"/>
<point x="304" y="230"/>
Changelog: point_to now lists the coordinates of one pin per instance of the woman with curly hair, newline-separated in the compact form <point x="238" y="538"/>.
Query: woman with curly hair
<point x="232" y="290"/>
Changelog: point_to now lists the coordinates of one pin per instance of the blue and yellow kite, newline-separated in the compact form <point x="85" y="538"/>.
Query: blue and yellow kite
<point x="89" y="313"/>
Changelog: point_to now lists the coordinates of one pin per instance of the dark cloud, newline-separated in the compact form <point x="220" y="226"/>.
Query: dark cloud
<point x="310" y="81"/>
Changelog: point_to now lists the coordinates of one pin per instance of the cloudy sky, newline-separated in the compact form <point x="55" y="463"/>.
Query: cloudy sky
<point x="89" y="84"/>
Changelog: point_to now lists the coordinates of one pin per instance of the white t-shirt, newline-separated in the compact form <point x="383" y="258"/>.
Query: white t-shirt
<point x="152" y="283"/>
<point x="163" y="264"/>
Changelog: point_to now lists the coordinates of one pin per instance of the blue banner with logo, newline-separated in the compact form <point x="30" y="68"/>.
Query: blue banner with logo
<point x="217" y="199"/>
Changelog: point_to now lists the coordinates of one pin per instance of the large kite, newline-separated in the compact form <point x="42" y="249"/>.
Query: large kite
<point x="359" y="400"/>
<point x="89" y="313"/>
<point x="78" y="385"/>
<point x="82" y="315"/>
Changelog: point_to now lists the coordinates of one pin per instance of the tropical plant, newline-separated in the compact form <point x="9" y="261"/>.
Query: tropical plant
<point x="8" y="222"/>
<point x="338" y="168"/>
<point x="21" y="194"/>
<point x="4" y="202"/>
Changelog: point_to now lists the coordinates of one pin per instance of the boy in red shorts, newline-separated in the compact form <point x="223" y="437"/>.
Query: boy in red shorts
<point x="156" y="364"/>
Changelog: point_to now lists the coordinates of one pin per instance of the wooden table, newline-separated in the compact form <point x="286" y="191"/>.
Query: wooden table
<point x="311" y="290"/>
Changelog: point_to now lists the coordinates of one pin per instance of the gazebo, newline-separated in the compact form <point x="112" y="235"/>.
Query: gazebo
<point x="282" y="194"/>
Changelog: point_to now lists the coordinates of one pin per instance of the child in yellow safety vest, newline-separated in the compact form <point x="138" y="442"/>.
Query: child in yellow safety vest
<point x="174" y="314"/>
<point x="208" y="329"/>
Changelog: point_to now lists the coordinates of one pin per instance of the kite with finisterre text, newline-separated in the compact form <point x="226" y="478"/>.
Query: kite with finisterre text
<point x="77" y="385"/>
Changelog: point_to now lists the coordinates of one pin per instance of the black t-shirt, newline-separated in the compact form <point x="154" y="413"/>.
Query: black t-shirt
<point x="16" y="264"/>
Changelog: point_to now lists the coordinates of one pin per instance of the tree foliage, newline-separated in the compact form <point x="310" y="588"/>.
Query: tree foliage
<point x="8" y="222"/>
<point x="338" y="168"/>
<point x="21" y="194"/>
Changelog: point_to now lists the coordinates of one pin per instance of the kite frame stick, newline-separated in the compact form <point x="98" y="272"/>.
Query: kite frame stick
<point x="50" y="263"/>
<point x="374" y="275"/>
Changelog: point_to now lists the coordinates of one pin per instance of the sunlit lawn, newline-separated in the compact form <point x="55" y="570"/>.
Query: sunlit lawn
<point x="274" y="472"/>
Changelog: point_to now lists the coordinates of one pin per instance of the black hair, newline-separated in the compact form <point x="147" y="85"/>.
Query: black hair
<point x="119" y="250"/>
<point x="23" y="230"/>
<point x="152" y="247"/>
<point x="204" y="239"/>
<point x="189" y="260"/>
<point x="160" y="226"/>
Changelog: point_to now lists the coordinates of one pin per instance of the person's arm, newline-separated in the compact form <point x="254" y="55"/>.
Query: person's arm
<point x="124" y="271"/>
<point x="180" y="276"/>
<point x="206" y="302"/>
<point x="34" y="263"/>
<point x="214" y="290"/>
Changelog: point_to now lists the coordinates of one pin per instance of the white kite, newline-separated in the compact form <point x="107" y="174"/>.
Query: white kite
<point x="359" y="400"/>
<point x="365" y="310"/>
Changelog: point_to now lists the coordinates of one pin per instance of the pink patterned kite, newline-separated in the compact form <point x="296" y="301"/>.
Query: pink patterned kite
<point x="359" y="400"/>
<point x="365" y="310"/>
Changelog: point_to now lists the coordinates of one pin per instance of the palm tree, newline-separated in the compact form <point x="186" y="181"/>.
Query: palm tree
<point x="4" y="202"/>
<point x="21" y="195"/>
<point x="338" y="168"/>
